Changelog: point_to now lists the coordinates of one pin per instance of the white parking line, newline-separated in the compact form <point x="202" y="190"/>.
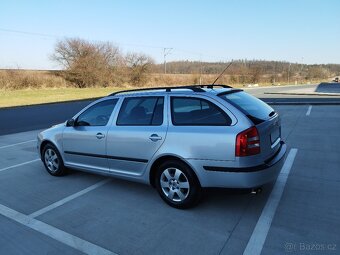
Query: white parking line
<point x="53" y="232"/>
<point x="22" y="164"/>
<point x="259" y="235"/>
<point x="67" y="199"/>
<point x="309" y="110"/>
<point x="15" y="144"/>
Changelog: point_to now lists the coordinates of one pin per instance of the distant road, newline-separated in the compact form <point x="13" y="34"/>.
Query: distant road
<point x="259" y="91"/>
<point x="20" y="119"/>
<point x="308" y="91"/>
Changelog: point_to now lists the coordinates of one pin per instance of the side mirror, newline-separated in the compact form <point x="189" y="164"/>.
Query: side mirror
<point x="70" y="123"/>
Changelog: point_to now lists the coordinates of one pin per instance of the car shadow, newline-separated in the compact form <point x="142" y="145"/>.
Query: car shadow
<point x="212" y="198"/>
<point x="215" y="196"/>
<point x="328" y="87"/>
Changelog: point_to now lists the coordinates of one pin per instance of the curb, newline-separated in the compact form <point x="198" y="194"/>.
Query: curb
<point x="50" y="103"/>
<point x="303" y="103"/>
<point x="281" y="86"/>
<point x="303" y="94"/>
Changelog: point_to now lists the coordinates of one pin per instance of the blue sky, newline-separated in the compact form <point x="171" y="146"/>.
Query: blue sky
<point x="305" y="31"/>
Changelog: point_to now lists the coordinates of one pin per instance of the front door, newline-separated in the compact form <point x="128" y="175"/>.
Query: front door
<point x="84" y="144"/>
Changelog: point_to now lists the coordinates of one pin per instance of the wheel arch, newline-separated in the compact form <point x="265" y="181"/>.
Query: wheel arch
<point x="156" y="163"/>
<point x="44" y="143"/>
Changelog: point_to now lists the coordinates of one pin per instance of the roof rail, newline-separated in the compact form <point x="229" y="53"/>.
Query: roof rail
<point x="195" y="88"/>
<point x="210" y="86"/>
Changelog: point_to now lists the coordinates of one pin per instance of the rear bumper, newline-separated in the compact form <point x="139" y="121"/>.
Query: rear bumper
<point x="246" y="177"/>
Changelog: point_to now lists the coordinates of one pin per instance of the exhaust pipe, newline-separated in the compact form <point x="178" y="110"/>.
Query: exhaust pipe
<point x="256" y="190"/>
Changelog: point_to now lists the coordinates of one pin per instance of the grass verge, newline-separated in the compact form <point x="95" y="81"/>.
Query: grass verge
<point x="10" y="98"/>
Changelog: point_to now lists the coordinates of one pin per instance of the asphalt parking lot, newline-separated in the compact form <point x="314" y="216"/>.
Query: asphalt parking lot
<point x="84" y="213"/>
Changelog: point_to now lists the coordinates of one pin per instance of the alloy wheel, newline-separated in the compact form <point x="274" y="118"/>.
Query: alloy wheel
<point x="175" y="184"/>
<point x="51" y="160"/>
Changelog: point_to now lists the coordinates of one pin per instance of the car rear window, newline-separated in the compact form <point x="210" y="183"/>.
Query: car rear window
<point x="254" y="108"/>
<point x="187" y="111"/>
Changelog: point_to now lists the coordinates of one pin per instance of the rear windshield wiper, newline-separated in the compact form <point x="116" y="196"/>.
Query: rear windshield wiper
<point x="229" y="92"/>
<point x="272" y="113"/>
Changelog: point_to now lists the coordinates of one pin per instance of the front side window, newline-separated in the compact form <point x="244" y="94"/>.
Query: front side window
<point x="98" y="114"/>
<point x="187" y="111"/>
<point x="141" y="111"/>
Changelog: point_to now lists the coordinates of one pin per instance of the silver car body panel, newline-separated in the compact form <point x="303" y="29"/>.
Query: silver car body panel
<point x="128" y="152"/>
<point x="130" y="148"/>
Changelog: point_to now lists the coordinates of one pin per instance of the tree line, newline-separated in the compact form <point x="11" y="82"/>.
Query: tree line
<point x="89" y="64"/>
<point x="255" y="71"/>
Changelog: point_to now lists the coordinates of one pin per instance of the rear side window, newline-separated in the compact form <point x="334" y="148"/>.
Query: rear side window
<point x="254" y="108"/>
<point x="187" y="111"/>
<point x="141" y="111"/>
<point x="98" y="114"/>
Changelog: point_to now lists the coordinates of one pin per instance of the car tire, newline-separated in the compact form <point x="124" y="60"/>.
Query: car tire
<point x="53" y="161"/>
<point x="177" y="184"/>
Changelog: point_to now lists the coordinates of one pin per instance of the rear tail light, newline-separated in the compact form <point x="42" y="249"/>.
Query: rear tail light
<point x="247" y="143"/>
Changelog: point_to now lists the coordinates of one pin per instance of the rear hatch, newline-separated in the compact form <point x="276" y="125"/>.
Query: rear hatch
<point x="264" y="117"/>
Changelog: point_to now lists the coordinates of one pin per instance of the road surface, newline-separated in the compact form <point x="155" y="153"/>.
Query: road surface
<point x="83" y="213"/>
<point x="19" y="119"/>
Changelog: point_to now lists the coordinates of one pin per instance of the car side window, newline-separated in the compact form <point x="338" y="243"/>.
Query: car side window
<point x="188" y="111"/>
<point x="141" y="111"/>
<point x="98" y="114"/>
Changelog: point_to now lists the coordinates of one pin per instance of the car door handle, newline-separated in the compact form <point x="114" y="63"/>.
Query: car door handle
<point x="100" y="135"/>
<point x="155" y="137"/>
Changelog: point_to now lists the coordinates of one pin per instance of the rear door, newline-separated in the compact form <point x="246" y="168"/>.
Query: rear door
<point x="264" y="117"/>
<point x="84" y="144"/>
<point x="200" y="129"/>
<point x="136" y="135"/>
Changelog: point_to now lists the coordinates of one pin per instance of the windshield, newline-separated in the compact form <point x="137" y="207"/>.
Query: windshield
<point x="253" y="107"/>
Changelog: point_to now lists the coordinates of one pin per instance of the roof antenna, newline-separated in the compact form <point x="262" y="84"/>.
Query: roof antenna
<point x="225" y="69"/>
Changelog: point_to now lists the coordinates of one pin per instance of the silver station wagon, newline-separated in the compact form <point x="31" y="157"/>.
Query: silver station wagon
<point x="178" y="139"/>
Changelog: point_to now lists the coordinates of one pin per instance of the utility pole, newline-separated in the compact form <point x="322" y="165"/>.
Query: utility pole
<point x="166" y="51"/>
<point x="200" y="69"/>
<point x="289" y="72"/>
<point x="301" y="69"/>
<point x="274" y="73"/>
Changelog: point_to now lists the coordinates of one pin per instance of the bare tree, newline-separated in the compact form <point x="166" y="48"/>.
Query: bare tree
<point x="255" y="74"/>
<point x="87" y="63"/>
<point x="138" y="66"/>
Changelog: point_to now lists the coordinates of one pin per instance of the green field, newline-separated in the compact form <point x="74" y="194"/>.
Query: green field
<point x="29" y="87"/>
<point x="9" y="98"/>
<point x="38" y="96"/>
